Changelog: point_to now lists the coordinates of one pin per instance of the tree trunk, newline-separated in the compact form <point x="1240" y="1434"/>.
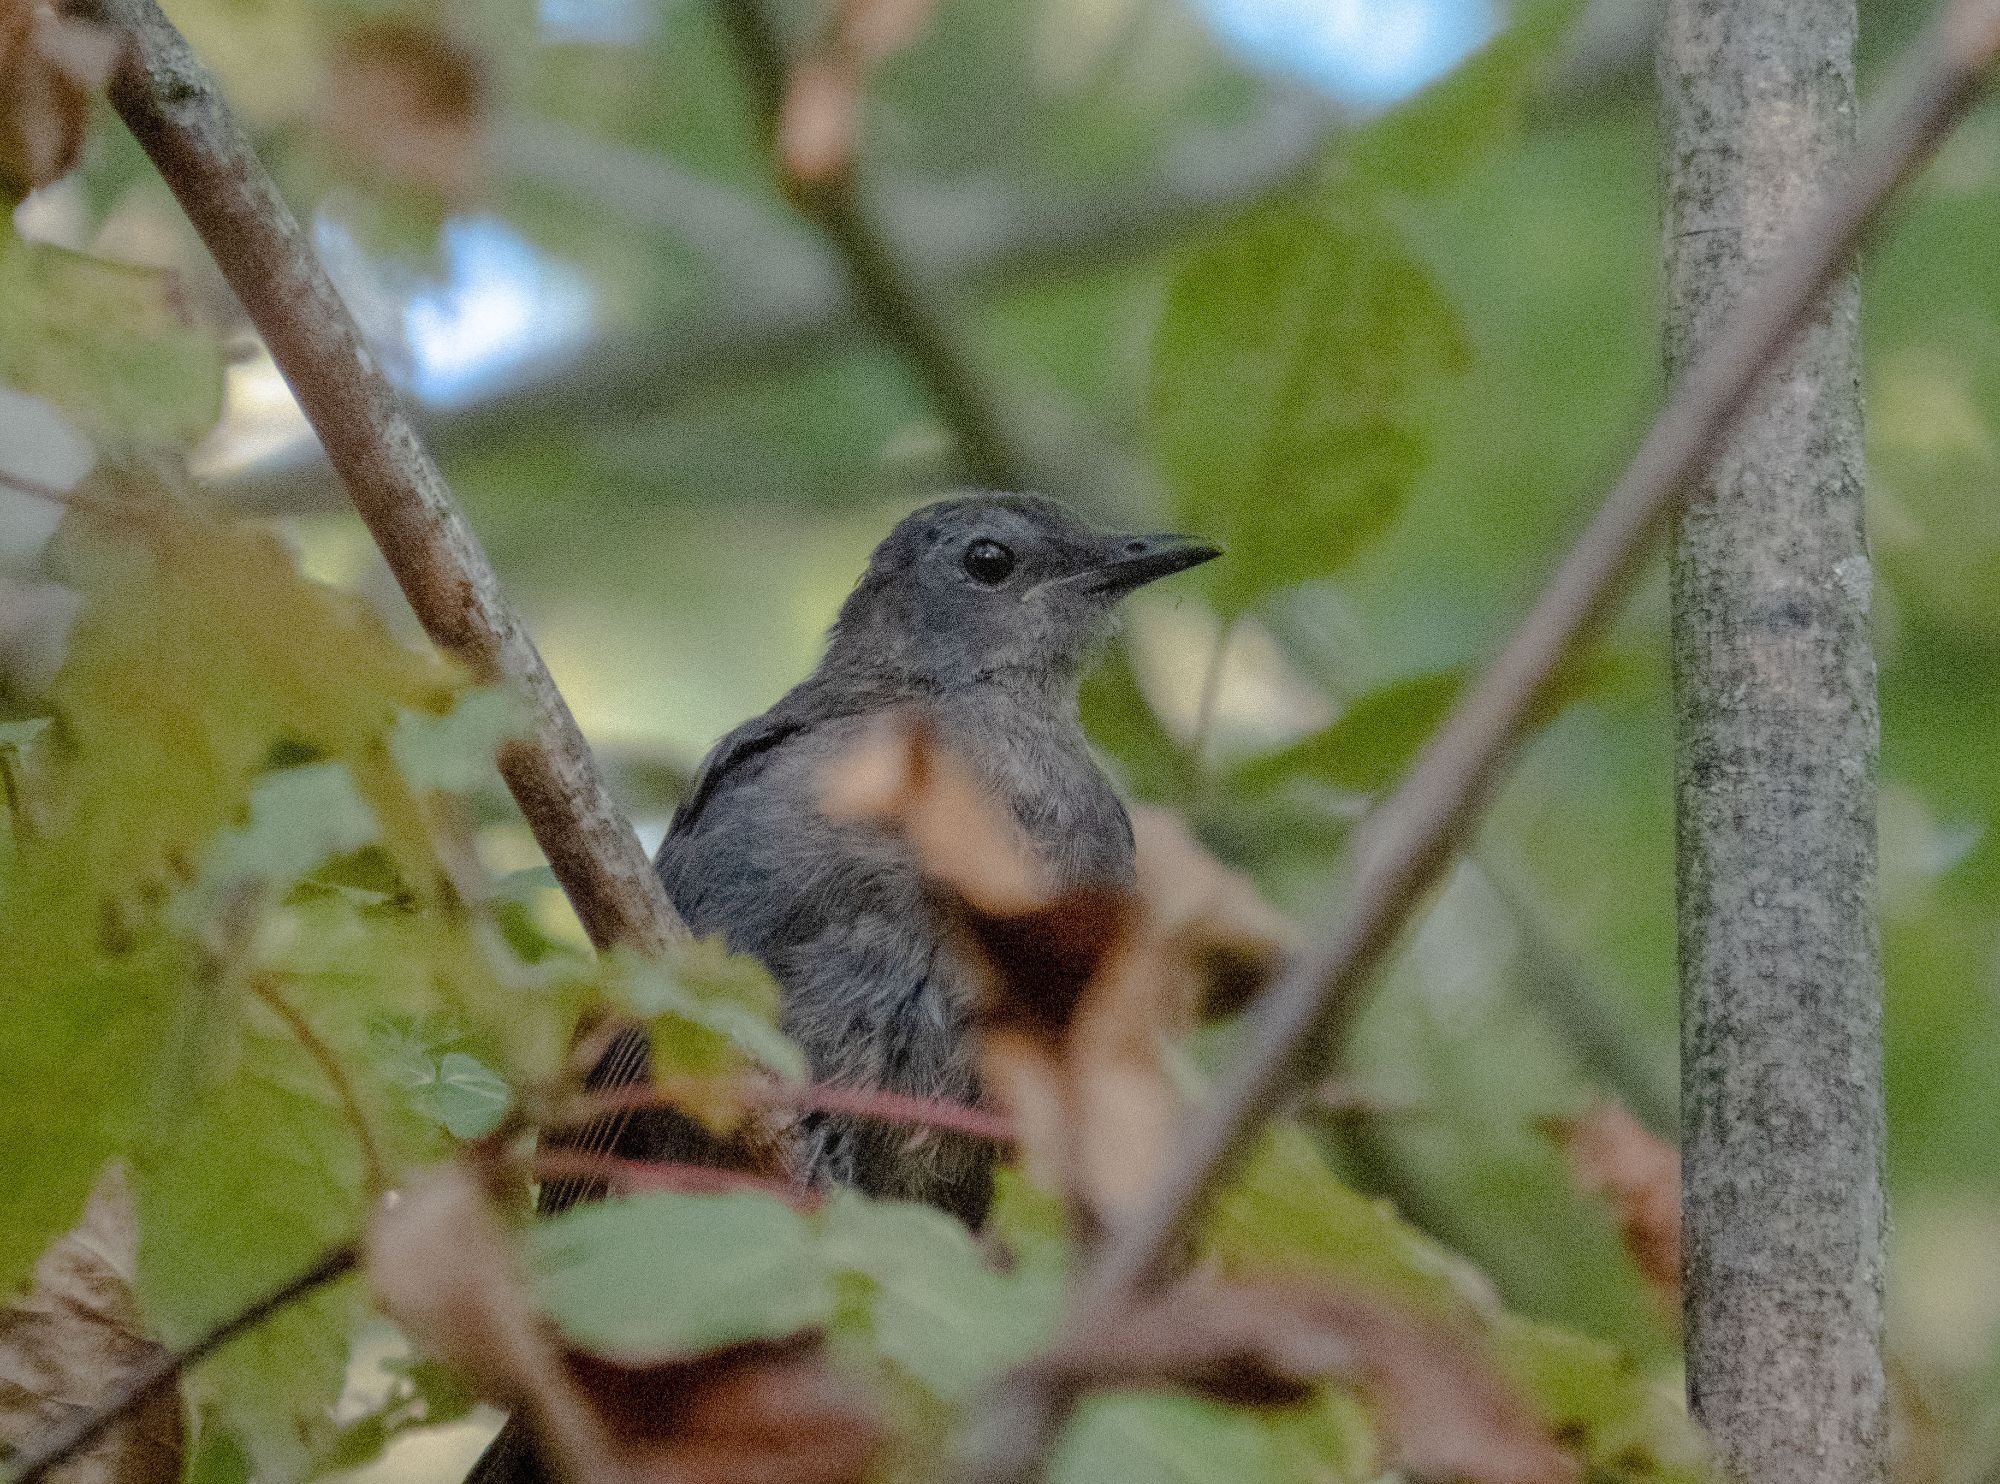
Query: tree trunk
<point x="1774" y="682"/>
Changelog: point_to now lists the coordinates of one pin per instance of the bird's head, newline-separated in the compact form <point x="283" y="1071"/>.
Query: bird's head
<point x="991" y="585"/>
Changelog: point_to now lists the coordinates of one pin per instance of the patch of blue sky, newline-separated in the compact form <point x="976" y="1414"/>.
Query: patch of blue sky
<point x="501" y="303"/>
<point x="1366" y="53"/>
<point x="597" y="22"/>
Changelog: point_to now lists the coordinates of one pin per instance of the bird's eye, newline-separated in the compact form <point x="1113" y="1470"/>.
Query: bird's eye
<point x="988" y="562"/>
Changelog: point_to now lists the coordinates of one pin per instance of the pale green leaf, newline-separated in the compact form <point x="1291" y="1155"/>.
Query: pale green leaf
<point x="111" y="344"/>
<point x="937" y="1307"/>
<point x="665" y="1273"/>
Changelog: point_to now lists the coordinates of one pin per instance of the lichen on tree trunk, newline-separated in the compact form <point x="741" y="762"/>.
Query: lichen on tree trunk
<point x="1775" y="709"/>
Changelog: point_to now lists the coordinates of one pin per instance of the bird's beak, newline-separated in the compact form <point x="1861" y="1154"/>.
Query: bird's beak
<point x="1134" y="561"/>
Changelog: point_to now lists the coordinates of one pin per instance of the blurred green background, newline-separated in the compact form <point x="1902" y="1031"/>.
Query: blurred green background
<point x="679" y="442"/>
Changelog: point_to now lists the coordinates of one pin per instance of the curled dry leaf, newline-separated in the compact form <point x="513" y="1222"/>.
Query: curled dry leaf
<point x="1084" y="989"/>
<point x="1441" y="1411"/>
<point x="762" y="1412"/>
<point x="1439" y="1408"/>
<point x="1611" y="1154"/>
<point x="73" y="1339"/>
<point x="408" y="102"/>
<point x="819" y="119"/>
<point x="50" y="68"/>
<point x="441" y="1266"/>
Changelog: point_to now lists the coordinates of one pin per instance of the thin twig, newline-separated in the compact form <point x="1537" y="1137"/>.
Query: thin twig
<point x="174" y="109"/>
<point x="34" y="1460"/>
<point x="881" y="288"/>
<point x="1303" y="1017"/>
<point x="874" y="1103"/>
<point x="375" y="1169"/>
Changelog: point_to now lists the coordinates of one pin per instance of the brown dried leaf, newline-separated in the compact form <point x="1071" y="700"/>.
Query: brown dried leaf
<point x="1441" y="1411"/>
<point x="875" y="30"/>
<point x="73" y="1339"/>
<point x="1080" y="992"/>
<point x="50" y="68"/>
<point x="819" y="120"/>
<point x="899" y="776"/>
<point x="763" y="1412"/>
<point x="819" y="123"/>
<point x="1211" y="919"/>
<point x="1610" y="1153"/>
<point x="405" y="101"/>
<point x="442" y="1268"/>
<point x="1251" y="1346"/>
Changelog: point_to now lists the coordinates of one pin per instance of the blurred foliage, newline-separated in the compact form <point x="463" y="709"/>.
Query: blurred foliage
<point x="1394" y="393"/>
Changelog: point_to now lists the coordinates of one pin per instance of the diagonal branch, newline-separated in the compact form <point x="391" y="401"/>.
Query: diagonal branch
<point x="882" y="291"/>
<point x="173" y="107"/>
<point x="1304" y="1015"/>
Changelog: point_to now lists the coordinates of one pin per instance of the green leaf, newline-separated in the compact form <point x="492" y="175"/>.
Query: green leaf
<point x="471" y="1098"/>
<point x="260" y="1174"/>
<point x="1161" y="1438"/>
<point x="710" y="1012"/>
<point x="109" y="343"/>
<point x="936" y="1306"/>
<point x="667" y="1274"/>
<point x="297" y="818"/>
<point x="456" y="751"/>
<point x="1293" y="381"/>
<point x="17" y="736"/>
<point x="201" y="656"/>
<point x="1378" y="736"/>
<point x="1371" y="744"/>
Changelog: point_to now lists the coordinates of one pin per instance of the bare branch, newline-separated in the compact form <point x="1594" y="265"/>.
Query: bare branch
<point x="1302" y="1018"/>
<point x="174" y="109"/>
<point x="881" y="289"/>
<point x="35" y="1460"/>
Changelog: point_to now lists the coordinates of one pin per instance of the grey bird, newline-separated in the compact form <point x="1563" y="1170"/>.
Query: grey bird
<point x="984" y="611"/>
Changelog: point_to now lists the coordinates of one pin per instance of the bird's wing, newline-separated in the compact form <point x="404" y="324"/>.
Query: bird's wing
<point x="729" y="760"/>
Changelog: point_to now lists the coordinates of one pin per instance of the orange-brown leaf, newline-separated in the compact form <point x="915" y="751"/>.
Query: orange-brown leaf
<point x="1438" y="1406"/>
<point x="1080" y="995"/>
<point x="74" y="1337"/>
<point x="1611" y="1154"/>
<point x="763" y="1412"/>
<point x="50" y="67"/>
<point x="819" y="119"/>
<point x="1212" y="920"/>
<point x="407" y="102"/>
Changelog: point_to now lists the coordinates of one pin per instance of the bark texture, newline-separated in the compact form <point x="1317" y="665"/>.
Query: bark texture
<point x="1774" y="680"/>
<point x="174" y="109"/>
